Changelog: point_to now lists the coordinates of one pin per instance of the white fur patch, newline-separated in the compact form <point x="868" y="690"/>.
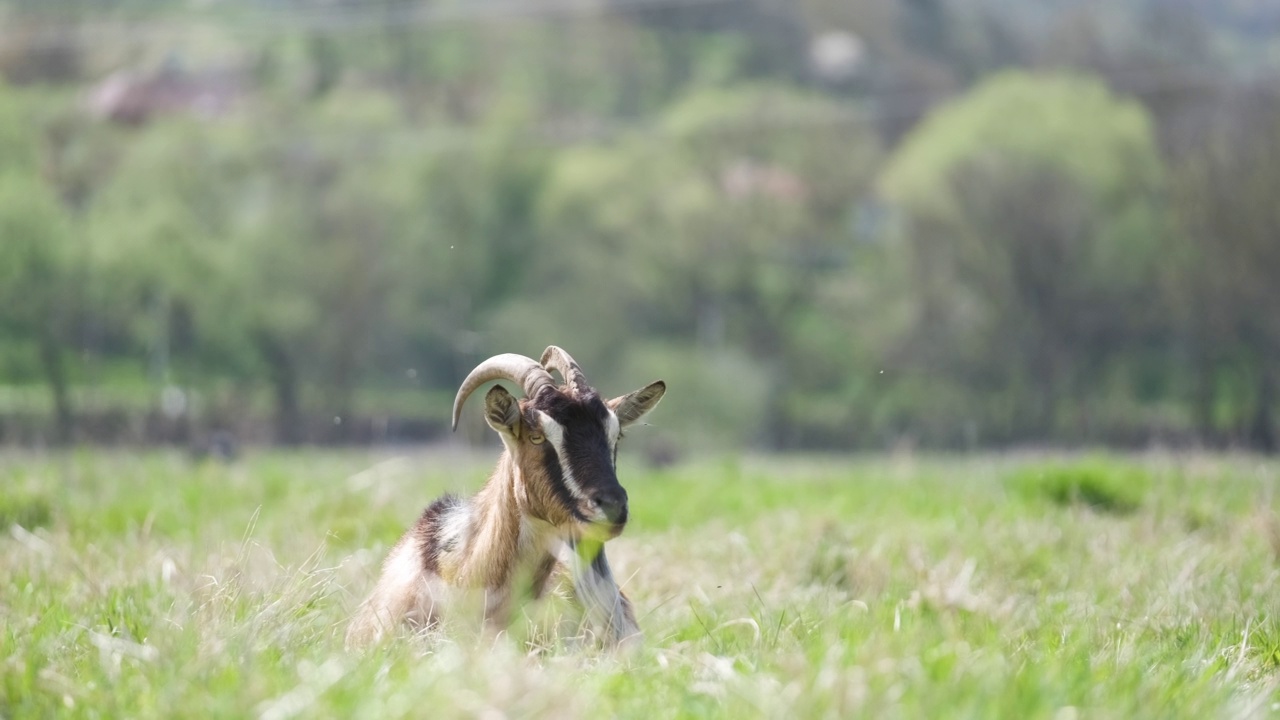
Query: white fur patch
<point x="615" y="429"/>
<point x="454" y="525"/>
<point x="403" y="568"/>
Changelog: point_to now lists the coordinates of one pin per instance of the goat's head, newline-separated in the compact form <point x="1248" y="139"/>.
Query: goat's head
<point x="564" y="439"/>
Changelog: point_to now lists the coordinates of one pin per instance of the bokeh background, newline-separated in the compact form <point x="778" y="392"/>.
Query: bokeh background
<point x="828" y="224"/>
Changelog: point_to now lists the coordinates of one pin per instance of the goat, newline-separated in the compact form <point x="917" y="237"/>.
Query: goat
<point x="552" y="501"/>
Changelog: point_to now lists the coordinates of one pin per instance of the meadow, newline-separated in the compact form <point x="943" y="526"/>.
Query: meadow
<point x="1020" y="585"/>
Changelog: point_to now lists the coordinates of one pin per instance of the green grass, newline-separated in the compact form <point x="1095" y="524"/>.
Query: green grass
<point x="982" y="586"/>
<point x="1101" y="484"/>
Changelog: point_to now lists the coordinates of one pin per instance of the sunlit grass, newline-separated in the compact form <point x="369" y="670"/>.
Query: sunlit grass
<point x="148" y="586"/>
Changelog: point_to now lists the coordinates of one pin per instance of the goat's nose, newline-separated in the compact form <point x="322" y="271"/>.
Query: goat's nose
<point x="613" y="503"/>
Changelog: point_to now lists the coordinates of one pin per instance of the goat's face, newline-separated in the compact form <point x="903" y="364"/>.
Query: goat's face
<point x="563" y="439"/>
<point x="566" y="443"/>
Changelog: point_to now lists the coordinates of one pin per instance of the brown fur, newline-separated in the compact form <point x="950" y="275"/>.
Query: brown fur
<point x="516" y="526"/>
<point x="488" y="558"/>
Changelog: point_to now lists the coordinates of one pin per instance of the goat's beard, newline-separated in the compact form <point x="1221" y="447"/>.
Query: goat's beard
<point x="600" y="531"/>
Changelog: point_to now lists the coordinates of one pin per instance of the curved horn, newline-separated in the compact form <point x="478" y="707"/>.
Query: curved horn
<point x="554" y="358"/>
<point x="529" y="375"/>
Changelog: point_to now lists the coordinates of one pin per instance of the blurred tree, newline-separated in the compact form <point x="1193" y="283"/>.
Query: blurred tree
<point x="313" y="258"/>
<point x="1223" y="186"/>
<point x="1031" y="222"/>
<point x="39" y="261"/>
<point x="775" y="33"/>
<point x="1163" y="54"/>
<point x="38" y="47"/>
<point x="721" y="232"/>
<point x="160" y="229"/>
<point x="462" y="248"/>
<point x="314" y="247"/>
<point x="404" y="189"/>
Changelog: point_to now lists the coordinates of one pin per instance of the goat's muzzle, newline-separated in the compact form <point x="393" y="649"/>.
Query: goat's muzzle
<point x="611" y="512"/>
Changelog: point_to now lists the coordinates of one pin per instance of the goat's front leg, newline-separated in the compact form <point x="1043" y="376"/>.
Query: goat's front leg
<point x="606" y="607"/>
<point x="542" y="576"/>
<point x="497" y="608"/>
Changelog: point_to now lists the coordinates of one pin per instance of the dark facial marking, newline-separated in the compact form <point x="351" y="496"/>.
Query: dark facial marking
<point x="586" y="440"/>
<point x="551" y="466"/>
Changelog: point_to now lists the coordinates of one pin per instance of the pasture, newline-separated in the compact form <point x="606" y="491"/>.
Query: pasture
<point x="1029" y="586"/>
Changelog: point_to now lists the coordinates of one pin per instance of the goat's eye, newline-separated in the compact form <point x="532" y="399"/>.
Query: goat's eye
<point x="537" y="438"/>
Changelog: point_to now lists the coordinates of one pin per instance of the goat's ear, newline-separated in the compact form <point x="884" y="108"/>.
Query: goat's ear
<point x="502" y="411"/>
<point x="633" y="406"/>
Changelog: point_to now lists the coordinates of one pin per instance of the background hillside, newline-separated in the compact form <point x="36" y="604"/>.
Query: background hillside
<point x="827" y="224"/>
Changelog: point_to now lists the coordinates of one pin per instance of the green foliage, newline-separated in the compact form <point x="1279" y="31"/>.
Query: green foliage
<point x="28" y="509"/>
<point x="389" y="198"/>
<point x="35" y="256"/>
<point x="1100" y="484"/>
<point x="727" y="231"/>
<point x="1223" y="263"/>
<point x="723" y="400"/>
<point x="1031" y="223"/>
<point x="40" y="257"/>
<point x="36" y="252"/>
<point x="20" y="154"/>
<point x="1035" y="118"/>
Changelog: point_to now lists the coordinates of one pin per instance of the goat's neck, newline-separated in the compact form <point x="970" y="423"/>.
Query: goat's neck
<point x="495" y="532"/>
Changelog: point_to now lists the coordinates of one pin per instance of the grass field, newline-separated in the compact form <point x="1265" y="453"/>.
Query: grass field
<point x="143" y="585"/>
